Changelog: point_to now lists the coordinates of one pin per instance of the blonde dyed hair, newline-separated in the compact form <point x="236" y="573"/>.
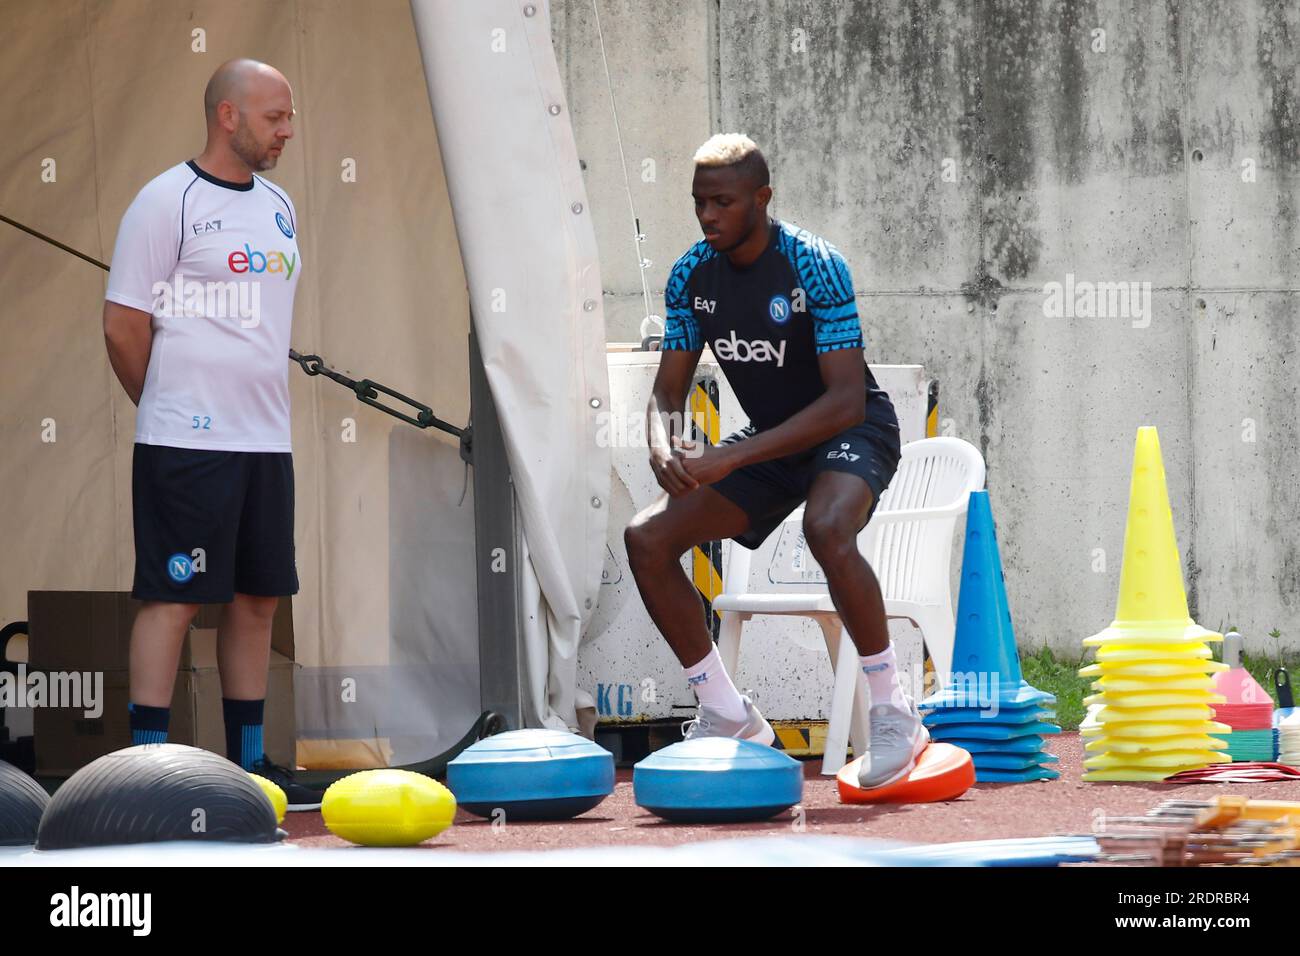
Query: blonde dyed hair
<point x="733" y="149"/>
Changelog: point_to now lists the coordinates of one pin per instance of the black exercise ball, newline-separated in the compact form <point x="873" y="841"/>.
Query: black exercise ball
<point x="156" y="793"/>
<point x="22" y="801"/>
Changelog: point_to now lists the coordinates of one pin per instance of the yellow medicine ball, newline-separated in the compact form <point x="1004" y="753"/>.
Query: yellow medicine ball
<point x="387" y="808"/>
<point x="279" y="801"/>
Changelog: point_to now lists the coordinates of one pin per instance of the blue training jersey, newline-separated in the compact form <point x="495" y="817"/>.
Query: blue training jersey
<point x="767" y="322"/>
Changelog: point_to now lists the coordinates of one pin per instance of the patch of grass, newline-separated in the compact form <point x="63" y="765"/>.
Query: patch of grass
<point x="1043" y="670"/>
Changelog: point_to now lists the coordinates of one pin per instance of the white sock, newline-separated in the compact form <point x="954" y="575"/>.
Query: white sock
<point x="882" y="677"/>
<point x="713" y="688"/>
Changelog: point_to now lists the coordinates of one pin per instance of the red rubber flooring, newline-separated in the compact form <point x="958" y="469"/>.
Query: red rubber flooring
<point x="986" y="812"/>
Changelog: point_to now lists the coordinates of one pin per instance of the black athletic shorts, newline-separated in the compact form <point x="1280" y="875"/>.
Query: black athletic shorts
<point x="212" y="523"/>
<point x="769" y="490"/>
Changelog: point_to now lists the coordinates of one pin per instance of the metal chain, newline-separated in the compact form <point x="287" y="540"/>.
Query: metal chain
<point x="367" y="390"/>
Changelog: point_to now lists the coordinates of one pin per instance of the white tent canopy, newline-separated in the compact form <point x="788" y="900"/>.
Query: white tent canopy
<point x="529" y="250"/>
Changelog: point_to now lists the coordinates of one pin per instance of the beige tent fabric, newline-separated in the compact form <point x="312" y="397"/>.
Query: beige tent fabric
<point x="112" y="93"/>
<point x="529" y="249"/>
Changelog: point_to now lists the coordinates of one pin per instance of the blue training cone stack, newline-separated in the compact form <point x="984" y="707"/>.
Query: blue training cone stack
<point x="987" y="708"/>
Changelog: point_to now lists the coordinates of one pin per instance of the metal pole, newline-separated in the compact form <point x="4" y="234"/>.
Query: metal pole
<point x="496" y="534"/>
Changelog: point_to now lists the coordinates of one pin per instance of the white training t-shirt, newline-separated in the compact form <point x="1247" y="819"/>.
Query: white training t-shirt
<point x="216" y="264"/>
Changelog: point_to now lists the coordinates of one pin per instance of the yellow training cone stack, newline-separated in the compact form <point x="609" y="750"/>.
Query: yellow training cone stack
<point x="1151" y="716"/>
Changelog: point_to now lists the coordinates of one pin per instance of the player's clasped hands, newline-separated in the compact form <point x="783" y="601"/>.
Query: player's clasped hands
<point x="688" y="464"/>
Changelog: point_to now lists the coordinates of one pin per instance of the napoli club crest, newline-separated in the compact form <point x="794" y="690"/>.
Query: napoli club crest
<point x="778" y="309"/>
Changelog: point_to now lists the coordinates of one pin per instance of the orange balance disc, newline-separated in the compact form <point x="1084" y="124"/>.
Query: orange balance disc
<point x="943" y="772"/>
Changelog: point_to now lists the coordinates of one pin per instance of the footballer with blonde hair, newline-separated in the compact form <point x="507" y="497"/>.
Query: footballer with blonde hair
<point x="776" y="305"/>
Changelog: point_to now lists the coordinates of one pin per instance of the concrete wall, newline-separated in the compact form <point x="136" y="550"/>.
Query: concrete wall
<point x="1162" y="152"/>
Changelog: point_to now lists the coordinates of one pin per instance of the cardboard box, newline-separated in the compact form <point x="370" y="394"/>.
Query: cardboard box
<point x="90" y="631"/>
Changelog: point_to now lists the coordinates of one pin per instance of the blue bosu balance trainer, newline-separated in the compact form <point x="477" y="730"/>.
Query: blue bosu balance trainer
<point x="717" y="780"/>
<point x="534" y="774"/>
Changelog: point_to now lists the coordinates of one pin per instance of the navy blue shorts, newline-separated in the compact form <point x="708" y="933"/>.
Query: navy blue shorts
<point x="768" y="491"/>
<point x="212" y="523"/>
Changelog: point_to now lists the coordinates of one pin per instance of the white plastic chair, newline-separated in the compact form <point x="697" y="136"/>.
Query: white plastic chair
<point x="908" y="543"/>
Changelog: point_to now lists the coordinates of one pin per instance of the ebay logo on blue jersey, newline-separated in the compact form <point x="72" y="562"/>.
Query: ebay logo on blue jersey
<point x="254" y="261"/>
<point x="739" y="350"/>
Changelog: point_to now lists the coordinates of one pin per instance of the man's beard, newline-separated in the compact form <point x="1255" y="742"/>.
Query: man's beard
<point x="243" y="145"/>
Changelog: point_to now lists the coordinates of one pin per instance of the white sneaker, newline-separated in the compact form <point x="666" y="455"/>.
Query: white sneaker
<point x="709" y="723"/>
<point x="897" y="739"/>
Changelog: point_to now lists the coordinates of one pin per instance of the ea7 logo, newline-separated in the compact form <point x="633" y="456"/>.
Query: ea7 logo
<point x="706" y="305"/>
<point x="739" y="350"/>
<point x="843" y="453"/>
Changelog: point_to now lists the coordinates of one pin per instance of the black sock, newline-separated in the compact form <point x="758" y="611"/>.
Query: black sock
<point x="243" y="730"/>
<point x="148" y="724"/>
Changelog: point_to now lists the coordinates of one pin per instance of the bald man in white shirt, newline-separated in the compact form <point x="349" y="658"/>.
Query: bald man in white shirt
<point x="197" y="320"/>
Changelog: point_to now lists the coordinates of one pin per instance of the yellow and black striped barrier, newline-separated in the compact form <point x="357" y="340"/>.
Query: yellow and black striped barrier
<point x="932" y="409"/>
<point x="706" y="559"/>
<point x="931" y="431"/>
<point x="800" y="738"/>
